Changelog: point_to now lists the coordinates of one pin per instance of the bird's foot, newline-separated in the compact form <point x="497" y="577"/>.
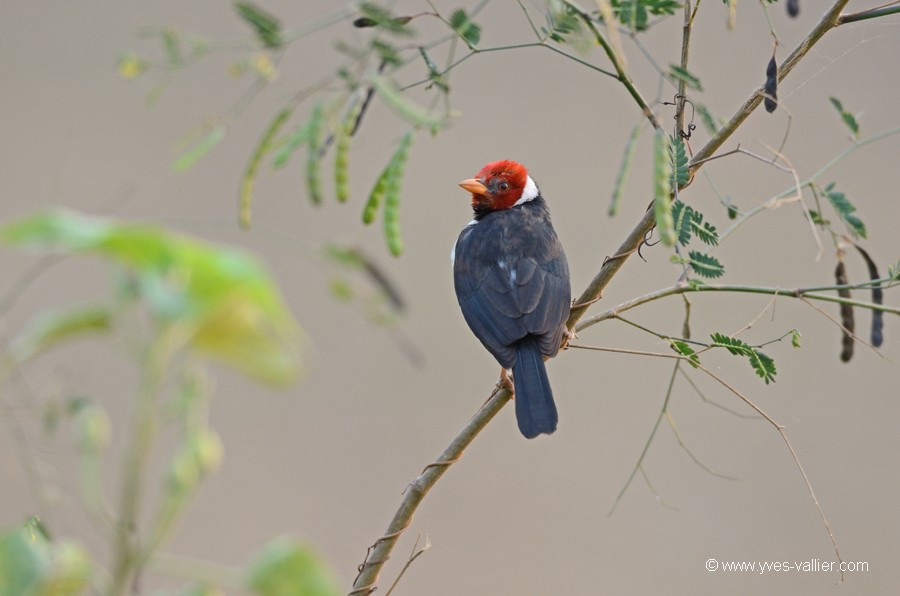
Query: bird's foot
<point x="506" y="381"/>
<point x="568" y="335"/>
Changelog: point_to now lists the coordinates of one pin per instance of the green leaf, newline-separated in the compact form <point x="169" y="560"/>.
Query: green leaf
<point x="266" y="26"/>
<point x="562" y="21"/>
<point x="681" y="216"/>
<point x="848" y="118"/>
<point x="221" y="301"/>
<point x="763" y="365"/>
<point x="263" y="146"/>
<point x="466" y="29"/>
<point x="795" y="338"/>
<point x="845" y="210"/>
<point x="678" y="74"/>
<point x="172" y="46"/>
<point x="635" y="14"/>
<point x="31" y="565"/>
<point x="392" y="195"/>
<point x="685" y="350"/>
<point x="707" y="118"/>
<point x="662" y="189"/>
<point x="689" y="222"/>
<point x="624" y="169"/>
<point x="290" y="568"/>
<point x="405" y="108"/>
<point x="53" y="328"/>
<point x="681" y="174"/>
<point x="199" y="150"/>
<point x="373" y="15"/>
<point x="386" y="52"/>
<point x="705" y="265"/>
<point x="298" y="138"/>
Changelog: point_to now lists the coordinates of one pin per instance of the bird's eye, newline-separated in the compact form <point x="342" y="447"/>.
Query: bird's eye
<point x="504" y="186"/>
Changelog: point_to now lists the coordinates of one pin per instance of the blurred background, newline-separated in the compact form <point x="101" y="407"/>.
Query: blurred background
<point x="328" y="459"/>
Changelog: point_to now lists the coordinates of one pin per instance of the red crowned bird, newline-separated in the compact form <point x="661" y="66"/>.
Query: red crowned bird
<point x="512" y="283"/>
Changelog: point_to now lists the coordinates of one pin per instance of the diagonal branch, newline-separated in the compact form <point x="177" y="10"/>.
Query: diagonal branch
<point x="380" y="551"/>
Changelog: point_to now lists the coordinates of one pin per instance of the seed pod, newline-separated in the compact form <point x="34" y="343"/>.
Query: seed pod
<point x="313" y="179"/>
<point x="342" y="154"/>
<point x="793" y="8"/>
<point x="376" y="196"/>
<point x="392" y="196"/>
<point x="877" y="298"/>
<point x="840" y="278"/>
<point x="771" y="87"/>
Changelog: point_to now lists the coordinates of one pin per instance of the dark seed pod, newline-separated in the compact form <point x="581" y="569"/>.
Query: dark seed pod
<point x="840" y="278"/>
<point x="771" y="87"/>
<point x="793" y="8"/>
<point x="877" y="298"/>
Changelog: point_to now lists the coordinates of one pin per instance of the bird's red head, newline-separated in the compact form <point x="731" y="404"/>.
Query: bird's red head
<point x="500" y="185"/>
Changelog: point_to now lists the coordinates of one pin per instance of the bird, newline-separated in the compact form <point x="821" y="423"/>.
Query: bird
<point x="511" y="279"/>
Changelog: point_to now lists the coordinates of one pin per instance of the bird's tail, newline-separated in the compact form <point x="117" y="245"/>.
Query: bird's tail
<point x="535" y="410"/>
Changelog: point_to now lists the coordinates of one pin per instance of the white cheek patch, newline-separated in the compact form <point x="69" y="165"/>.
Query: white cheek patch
<point x="453" y="250"/>
<point x="529" y="193"/>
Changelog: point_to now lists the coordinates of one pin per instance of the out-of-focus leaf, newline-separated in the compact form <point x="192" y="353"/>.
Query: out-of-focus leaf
<point x="173" y="47"/>
<point x="222" y="301"/>
<point x="465" y="28"/>
<point x="678" y="74"/>
<point x="373" y="15"/>
<point x="262" y="147"/>
<point x="287" y="567"/>
<point x="404" y="107"/>
<point x="848" y="118"/>
<point x="266" y="26"/>
<point x="298" y="138"/>
<point x="662" y="189"/>
<point x="201" y="148"/>
<point x="635" y="14"/>
<point x="707" y="118"/>
<point x="131" y="66"/>
<point x="31" y="565"/>
<point x="846" y="210"/>
<point x="24" y="558"/>
<point x="51" y="329"/>
<point x="624" y="169"/>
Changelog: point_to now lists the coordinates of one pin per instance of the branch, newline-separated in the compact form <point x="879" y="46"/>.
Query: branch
<point x="684" y="288"/>
<point x="380" y="551"/>
<point x="829" y="21"/>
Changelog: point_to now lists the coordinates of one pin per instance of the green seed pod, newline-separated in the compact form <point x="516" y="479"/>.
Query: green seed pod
<point x="342" y="153"/>
<point x="392" y="196"/>
<point x="376" y="196"/>
<point x="313" y="179"/>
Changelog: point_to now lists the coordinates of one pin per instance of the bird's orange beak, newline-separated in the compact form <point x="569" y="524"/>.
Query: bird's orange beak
<point x="474" y="186"/>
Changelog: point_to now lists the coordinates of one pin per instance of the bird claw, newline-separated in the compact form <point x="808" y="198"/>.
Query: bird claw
<point x="506" y="381"/>
<point x="568" y="335"/>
